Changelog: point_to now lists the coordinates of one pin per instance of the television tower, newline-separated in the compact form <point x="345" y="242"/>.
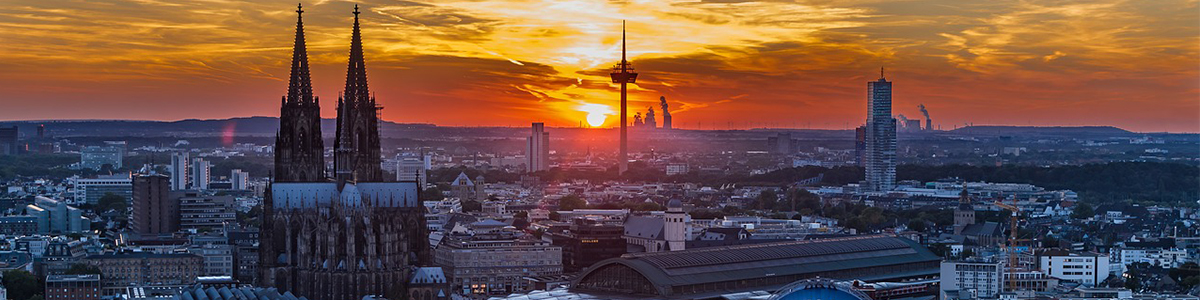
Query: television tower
<point x="624" y="75"/>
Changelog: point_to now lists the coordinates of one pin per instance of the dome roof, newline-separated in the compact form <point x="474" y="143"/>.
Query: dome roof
<point x="674" y="203"/>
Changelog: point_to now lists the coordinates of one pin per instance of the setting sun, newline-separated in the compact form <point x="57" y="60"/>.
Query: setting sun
<point x="596" y="113"/>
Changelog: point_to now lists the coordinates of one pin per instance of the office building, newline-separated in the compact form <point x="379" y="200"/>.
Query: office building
<point x="218" y="259"/>
<point x="495" y="266"/>
<point x="144" y="269"/>
<point x="677" y="168"/>
<point x="413" y="167"/>
<point x="587" y="242"/>
<point x="55" y="216"/>
<point x="201" y="173"/>
<point x="180" y="177"/>
<point x="204" y="212"/>
<point x="154" y="210"/>
<point x="1162" y="253"/>
<point x="73" y="287"/>
<point x="860" y="146"/>
<point x="239" y="180"/>
<point x="8" y="141"/>
<point x="981" y="279"/>
<point x="537" y="149"/>
<point x="96" y="157"/>
<point x="880" y="154"/>
<point x="245" y="254"/>
<point x="18" y="225"/>
<point x="1086" y="268"/>
<point x="90" y="190"/>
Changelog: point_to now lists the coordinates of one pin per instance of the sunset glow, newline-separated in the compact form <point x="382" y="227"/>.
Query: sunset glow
<point x="1132" y="64"/>
<point x="596" y="113"/>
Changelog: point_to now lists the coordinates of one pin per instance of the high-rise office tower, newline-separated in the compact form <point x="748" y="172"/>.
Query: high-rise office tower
<point x="880" y="137"/>
<point x="239" y="180"/>
<point x="201" y="173"/>
<point x="860" y="145"/>
<point x="624" y="75"/>
<point x="8" y="141"/>
<point x="412" y="167"/>
<point x="180" y="179"/>
<point x="154" y="211"/>
<point x="537" y="149"/>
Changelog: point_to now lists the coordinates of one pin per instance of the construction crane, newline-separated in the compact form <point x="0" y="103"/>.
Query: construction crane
<point x="1010" y="248"/>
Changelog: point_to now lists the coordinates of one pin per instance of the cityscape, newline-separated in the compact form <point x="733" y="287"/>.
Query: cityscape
<point x="464" y="169"/>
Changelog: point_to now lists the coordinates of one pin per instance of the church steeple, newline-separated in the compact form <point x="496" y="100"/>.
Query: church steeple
<point x="300" y="83"/>
<point x="356" y="72"/>
<point x="356" y="147"/>
<point x="299" y="150"/>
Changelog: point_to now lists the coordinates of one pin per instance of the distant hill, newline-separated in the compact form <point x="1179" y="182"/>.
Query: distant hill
<point x="246" y="126"/>
<point x="1043" y="131"/>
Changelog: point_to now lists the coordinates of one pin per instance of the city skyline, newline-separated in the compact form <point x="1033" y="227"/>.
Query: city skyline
<point x="795" y="65"/>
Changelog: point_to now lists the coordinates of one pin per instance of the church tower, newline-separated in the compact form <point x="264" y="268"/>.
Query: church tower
<point x="964" y="214"/>
<point x="356" y="147"/>
<point x="675" y="228"/>
<point x="299" y="151"/>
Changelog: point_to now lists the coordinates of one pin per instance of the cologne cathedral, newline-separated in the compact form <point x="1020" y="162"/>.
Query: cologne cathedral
<point x="346" y="234"/>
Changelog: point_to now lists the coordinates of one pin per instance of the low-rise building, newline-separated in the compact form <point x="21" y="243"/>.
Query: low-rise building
<point x="152" y="270"/>
<point x="73" y="287"/>
<point x="482" y="266"/>
<point x="202" y="212"/>
<point x="1086" y="268"/>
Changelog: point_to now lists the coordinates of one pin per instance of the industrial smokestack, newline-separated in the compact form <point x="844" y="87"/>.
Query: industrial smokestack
<point x="928" y="121"/>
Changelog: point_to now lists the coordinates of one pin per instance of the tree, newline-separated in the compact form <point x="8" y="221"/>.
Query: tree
<point x="21" y="284"/>
<point x="1083" y="211"/>
<point x="431" y="194"/>
<point x="571" y="202"/>
<point x="112" y="201"/>
<point x="83" y="269"/>
<point x="917" y="225"/>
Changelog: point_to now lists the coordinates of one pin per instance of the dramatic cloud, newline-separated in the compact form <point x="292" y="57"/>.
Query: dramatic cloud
<point x="722" y="63"/>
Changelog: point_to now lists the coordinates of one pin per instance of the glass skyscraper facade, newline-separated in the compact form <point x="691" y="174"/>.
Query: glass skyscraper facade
<point x="880" y="157"/>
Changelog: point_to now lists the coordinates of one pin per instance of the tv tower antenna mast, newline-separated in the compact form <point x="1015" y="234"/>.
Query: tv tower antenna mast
<point x="623" y="74"/>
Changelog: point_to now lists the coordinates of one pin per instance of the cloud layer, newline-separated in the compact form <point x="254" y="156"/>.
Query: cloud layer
<point x="722" y="63"/>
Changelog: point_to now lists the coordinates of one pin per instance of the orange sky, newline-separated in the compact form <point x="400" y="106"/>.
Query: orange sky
<point x="1134" y="64"/>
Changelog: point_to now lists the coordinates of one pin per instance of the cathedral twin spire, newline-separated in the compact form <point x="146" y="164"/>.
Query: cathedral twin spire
<point x="299" y="147"/>
<point x="300" y="83"/>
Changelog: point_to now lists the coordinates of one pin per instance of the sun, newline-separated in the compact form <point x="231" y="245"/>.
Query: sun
<point x="596" y="113"/>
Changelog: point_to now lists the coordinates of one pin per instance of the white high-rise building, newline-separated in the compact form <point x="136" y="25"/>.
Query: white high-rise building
<point x="1086" y="268"/>
<point x="201" y="173"/>
<point x="537" y="149"/>
<point x="180" y="178"/>
<point x="880" y="137"/>
<point x="979" y="279"/>
<point x="412" y="167"/>
<point x="239" y="180"/>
